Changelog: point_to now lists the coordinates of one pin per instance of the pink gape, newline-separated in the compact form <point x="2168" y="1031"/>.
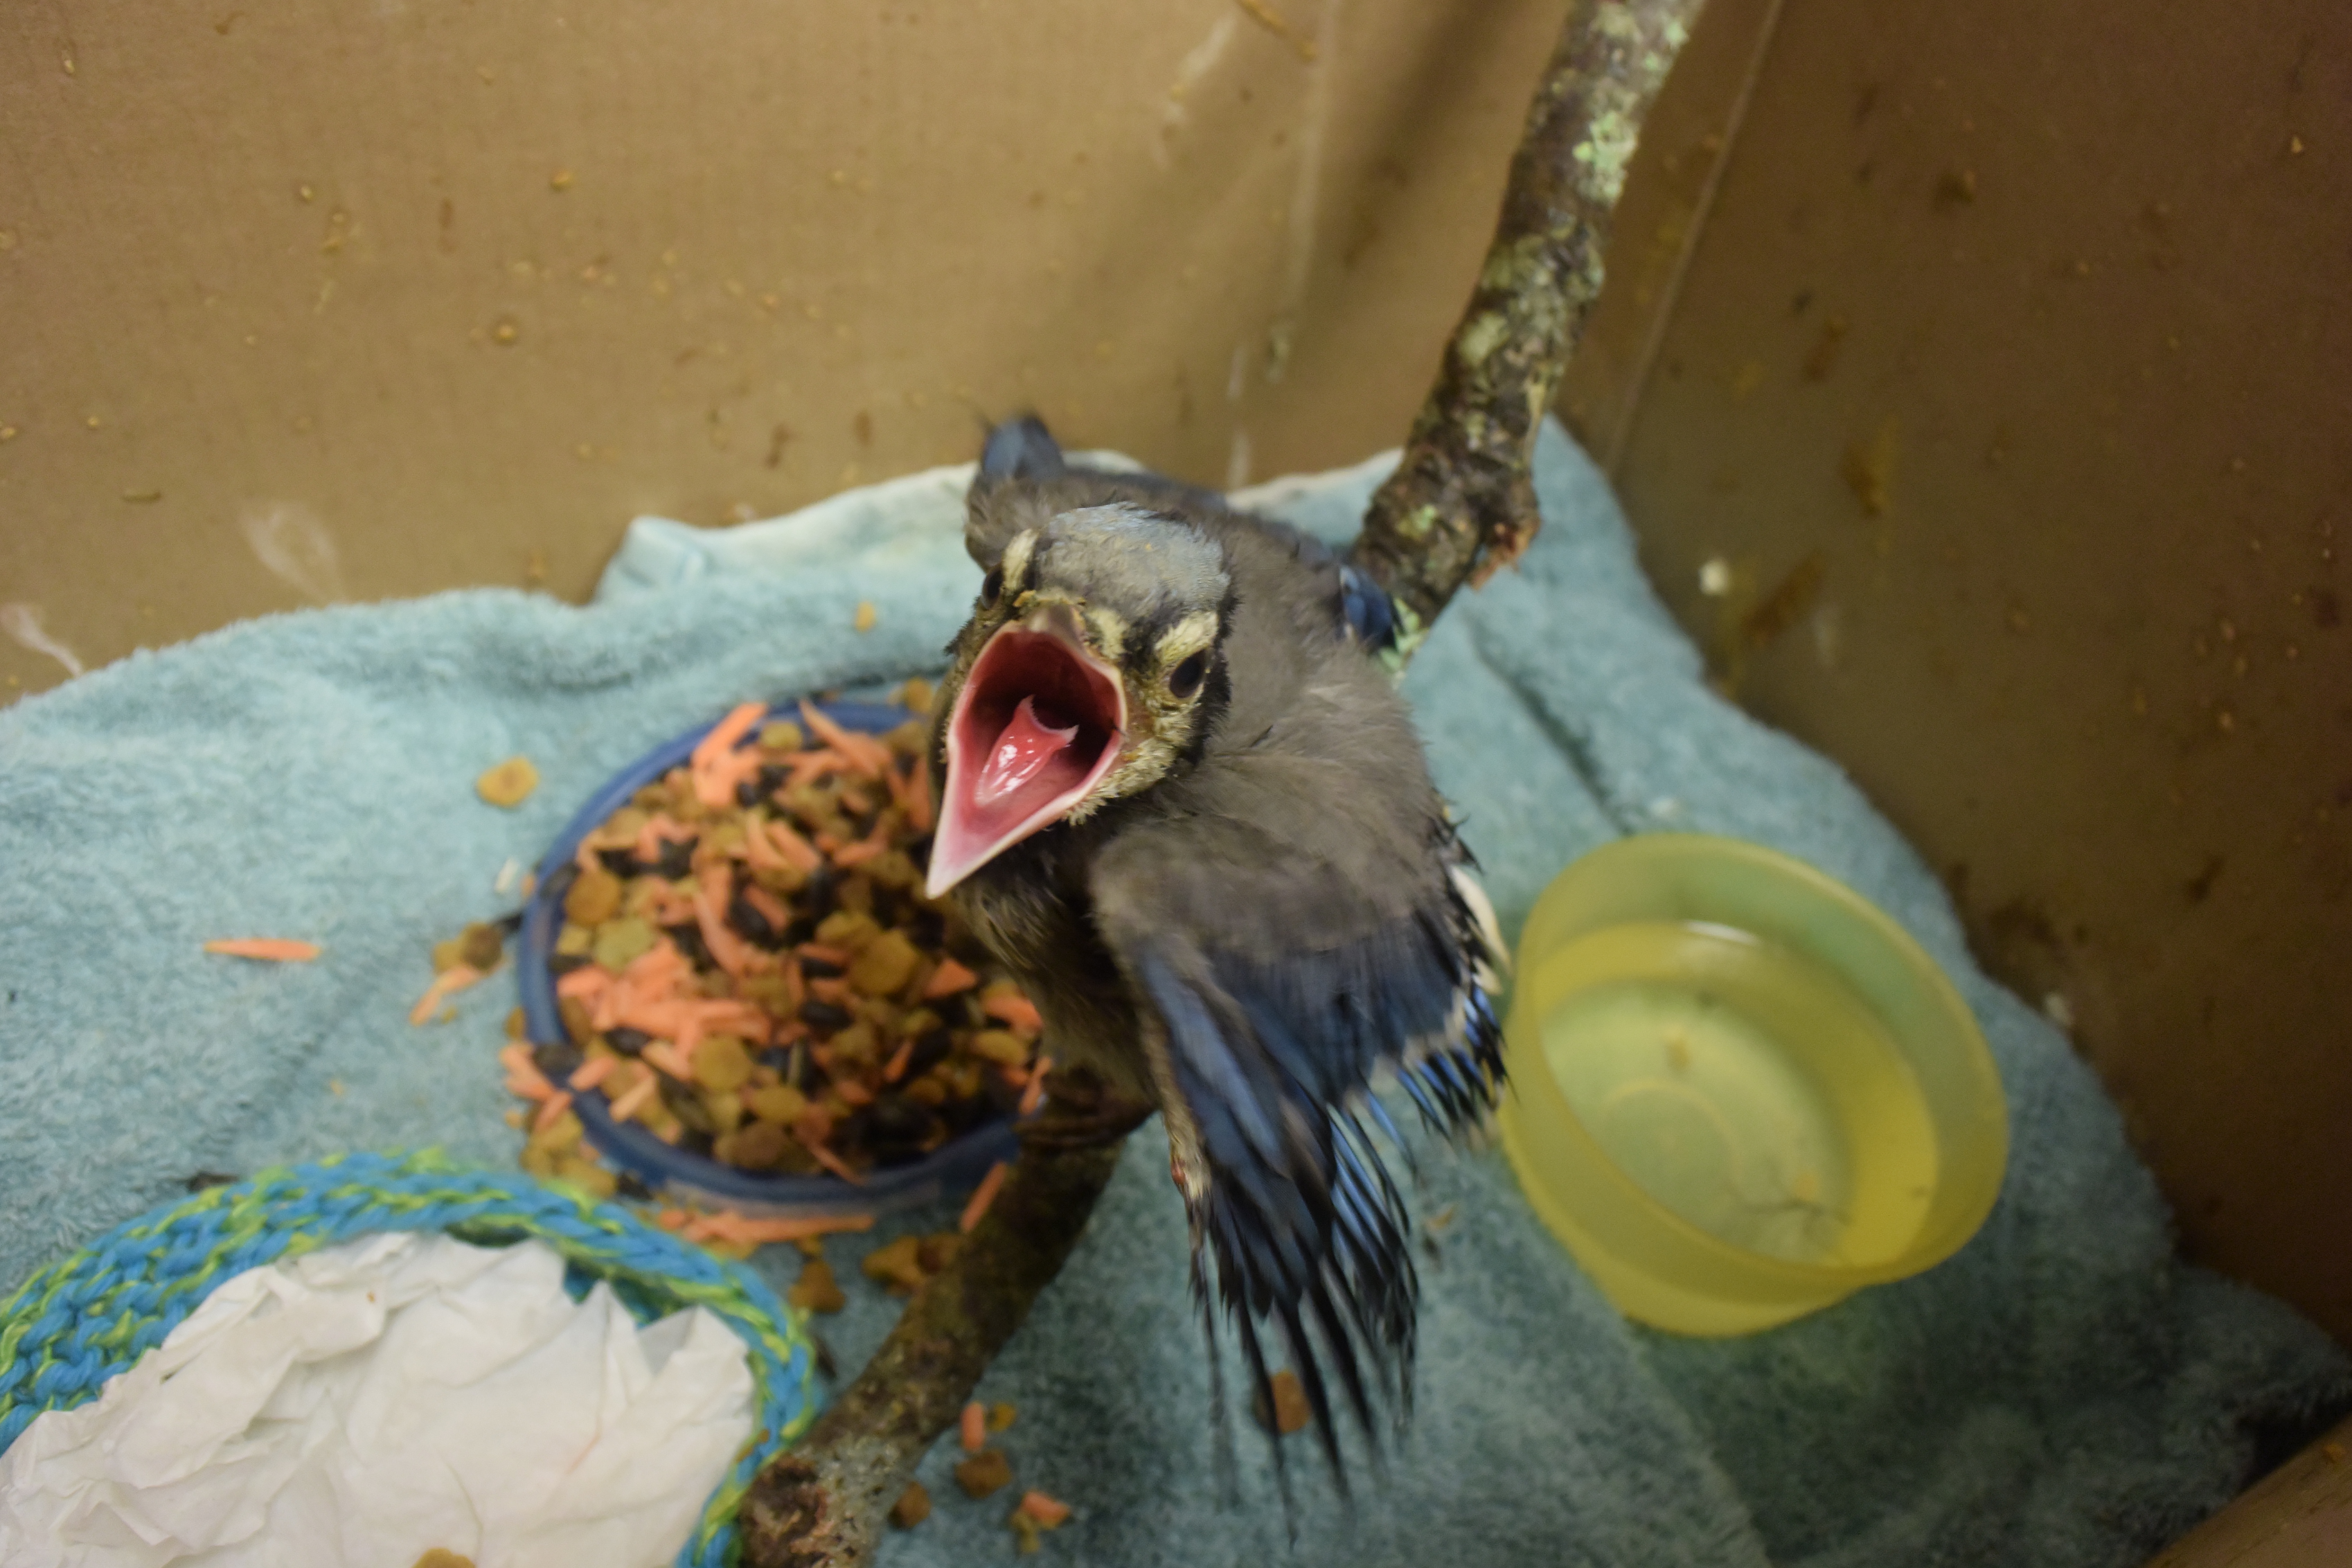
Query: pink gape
<point x="1009" y="773"/>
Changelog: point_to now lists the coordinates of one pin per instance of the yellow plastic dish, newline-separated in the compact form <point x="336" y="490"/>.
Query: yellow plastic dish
<point x="1739" y="1091"/>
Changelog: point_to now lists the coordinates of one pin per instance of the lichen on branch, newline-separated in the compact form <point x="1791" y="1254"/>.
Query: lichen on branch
<point x="1461" y="501"/>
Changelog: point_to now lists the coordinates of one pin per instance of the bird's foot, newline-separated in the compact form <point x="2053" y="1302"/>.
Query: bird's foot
<point x="1082" y="1112"/>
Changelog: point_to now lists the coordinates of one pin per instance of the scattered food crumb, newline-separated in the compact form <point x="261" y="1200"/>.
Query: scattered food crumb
<point x="1049" y="1512"/>
<point x="1290" y="1413"/>
<point x="1869" y="471"/>
<point x="446" y="984"/>
<point x="896" y="1265"/>
<point x="982" y="1196"/>
<point x="972" y="1427"/>
<point x="335" y="1087"/>
<point x="816" y="1291"/>
<point x="268" y="949"/>
<point x="986" y="1471"/>
<point x="479" y="946"/>
<point x="2333" y="1453"/>
<point x="1001" y="1417"/>
<point x="865" y="616"/>
<point x="441" y="1557"/>
<point x="509" y="783"/>
<point x="913" y="1507"/>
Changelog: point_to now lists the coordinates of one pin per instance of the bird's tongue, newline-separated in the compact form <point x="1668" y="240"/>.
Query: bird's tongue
<point x="1020" y="766"/>
<point x="1013" y="769"/>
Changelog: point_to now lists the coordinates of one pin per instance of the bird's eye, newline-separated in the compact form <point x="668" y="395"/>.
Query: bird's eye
<point x="992" y="588"/>
<point x="1186" y="678"/>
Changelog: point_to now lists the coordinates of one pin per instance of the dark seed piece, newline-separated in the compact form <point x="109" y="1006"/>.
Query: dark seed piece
<point x="747" y="793"/>
<point x="563" y="963"/>
<point x="557" y="1061"/>
<point x="203" y="1179"/>
<point x="627" y="1041"/>
<point x="928" y="1052"/>
<point x="896" y="1126"/>
<point x="622" y="862"/>
<point x="819" y="969"/>
<point x="677" y="859"/>
<point x="819" y="1014"/>
<point x="746" y="917"/>
<point x="627" y="1186"/>
<point x="963" y="1115"/>
<point x="690" y="945"/>
<point x="819" y="894"/>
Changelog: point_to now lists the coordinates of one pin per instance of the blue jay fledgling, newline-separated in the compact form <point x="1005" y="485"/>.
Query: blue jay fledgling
<point x="1188" y="810"/>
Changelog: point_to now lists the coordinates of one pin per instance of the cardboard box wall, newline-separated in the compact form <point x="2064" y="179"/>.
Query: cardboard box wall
<point x="2000" y="354"/>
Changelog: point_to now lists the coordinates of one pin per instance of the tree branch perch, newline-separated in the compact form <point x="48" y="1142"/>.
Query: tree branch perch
<point x="1460" y="504"/>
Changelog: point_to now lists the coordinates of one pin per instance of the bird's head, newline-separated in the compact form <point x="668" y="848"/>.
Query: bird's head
<point x="1093" y="662"/>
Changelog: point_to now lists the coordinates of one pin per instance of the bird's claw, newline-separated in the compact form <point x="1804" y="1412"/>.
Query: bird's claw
<point x="1082" y="1113"/>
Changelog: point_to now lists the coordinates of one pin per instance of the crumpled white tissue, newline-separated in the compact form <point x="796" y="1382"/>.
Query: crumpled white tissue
<point x="357" y="1406"/>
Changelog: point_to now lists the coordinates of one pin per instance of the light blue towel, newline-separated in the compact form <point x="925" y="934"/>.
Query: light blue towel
<point x="2061" y="1393"/>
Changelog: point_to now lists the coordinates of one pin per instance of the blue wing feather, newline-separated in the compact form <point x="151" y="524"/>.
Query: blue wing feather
<point x="1272" y="1058"/>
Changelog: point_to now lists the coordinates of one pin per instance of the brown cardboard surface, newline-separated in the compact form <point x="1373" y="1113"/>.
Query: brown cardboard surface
<point x="421" y="295"/>
<point x="2010" y="385"/>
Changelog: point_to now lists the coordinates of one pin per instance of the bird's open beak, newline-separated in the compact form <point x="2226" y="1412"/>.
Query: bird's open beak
<point x="1036" y="726"/>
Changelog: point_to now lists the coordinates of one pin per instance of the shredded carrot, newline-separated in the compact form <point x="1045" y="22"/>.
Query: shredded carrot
<point x="1017" y="1011"/>
<point x="557" y="1104"/>
<point x="1034" y="1095"/>
<point x="918" y="796"/>
<point x="982" y="1196"/>
<point x="796" y="850"/>
<point x="662" y="1055"/>
<point x="629" y="1104"/>
<point x="589" y="1074"/>
<point x="660" y="828"/>
<point x="832" y="1161"/>
<point x="715" y="769"/>
<point x="864" y="753"/>
<point x="672" y="1219"/>
<point x="948" y="979"/>
<point x="896" y="1067"/>
<point x="859" y="853"/>
<point x="837" y="956"/>
<point x="523" y="1076"/>
<point x="268" y="949"/>
<point x="853" y="1092"/>
<point x="587" y="983"/>
<point x="771" y="908"/>
<point x="1047" y="1511"/>
<point x="797" y="1227"/>
<point x="974" y="1432"/>
<point x="834" y="991"/>
<point x="710" y="902"/>
<point x="813" y="764"/>
<point x="455" y="978"/>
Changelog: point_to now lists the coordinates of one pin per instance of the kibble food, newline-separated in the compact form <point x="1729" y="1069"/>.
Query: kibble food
<point x="747" y="967"/>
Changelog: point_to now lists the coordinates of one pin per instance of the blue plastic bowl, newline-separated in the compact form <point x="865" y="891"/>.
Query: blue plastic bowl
<point x="955" y="1167"/>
